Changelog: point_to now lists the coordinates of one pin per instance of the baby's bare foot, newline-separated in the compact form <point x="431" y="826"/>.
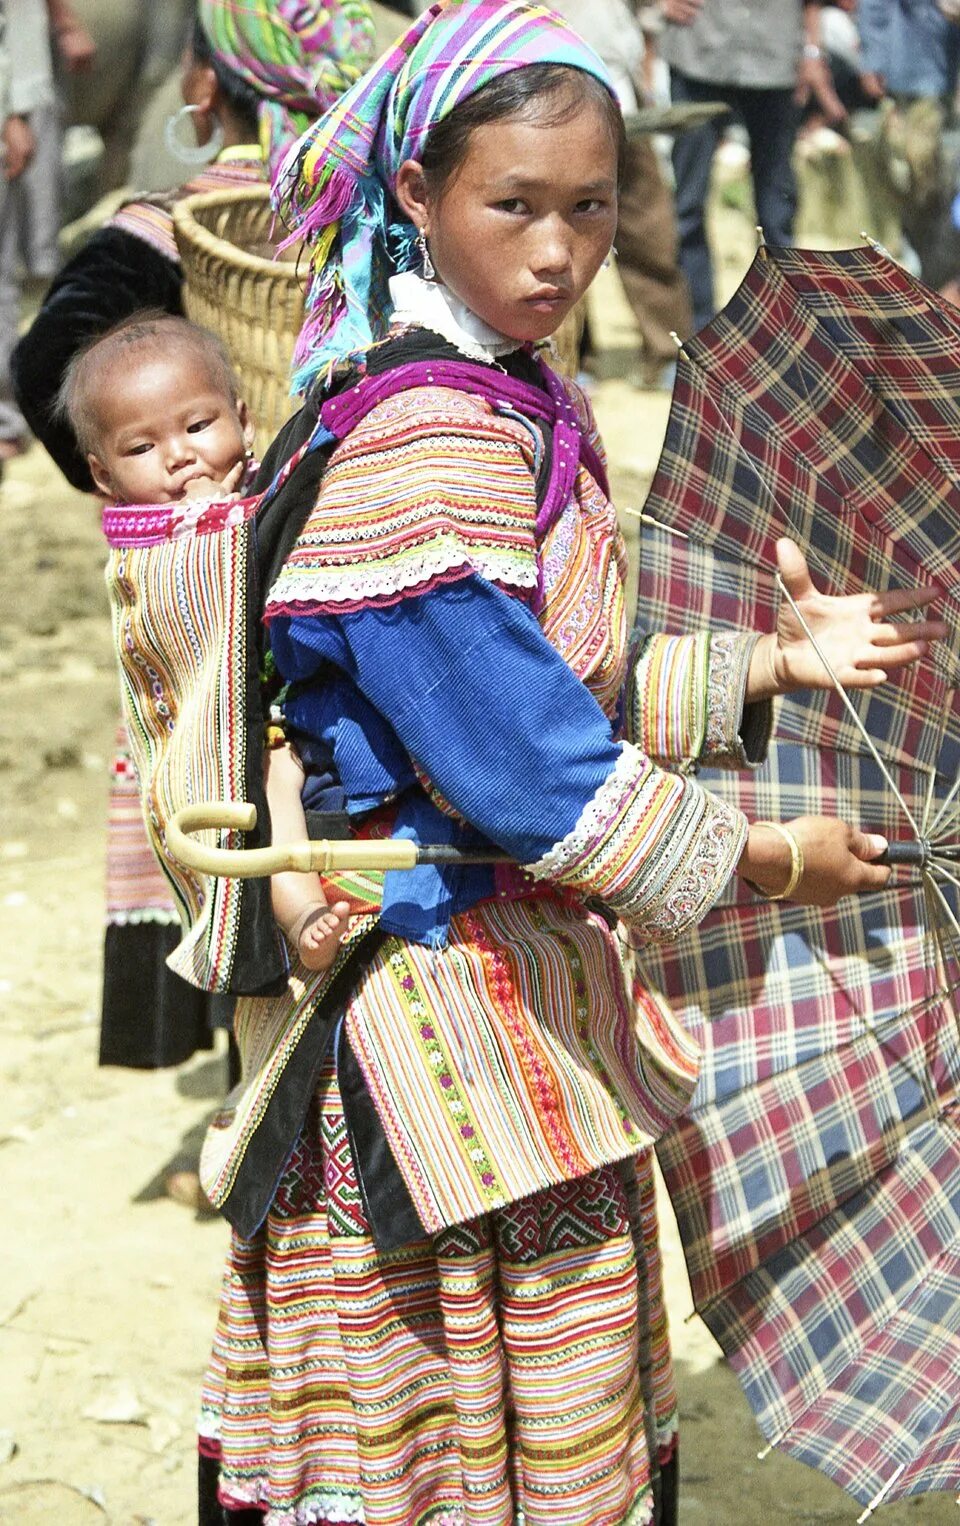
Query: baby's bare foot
<point x="320" y="939"/>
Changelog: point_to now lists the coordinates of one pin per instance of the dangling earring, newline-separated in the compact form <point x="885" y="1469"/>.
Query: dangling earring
<point x="428" y="272"/>
<point x="191" y="153"/>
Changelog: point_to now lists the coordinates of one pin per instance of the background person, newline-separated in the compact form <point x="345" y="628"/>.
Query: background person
<point x="761" y="58"/>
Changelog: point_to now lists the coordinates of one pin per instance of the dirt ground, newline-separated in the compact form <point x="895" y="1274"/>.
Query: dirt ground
<point x="108" y="1289"/>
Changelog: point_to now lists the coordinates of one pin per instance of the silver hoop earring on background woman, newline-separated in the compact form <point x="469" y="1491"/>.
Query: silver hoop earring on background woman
<point x="191" y="153"/>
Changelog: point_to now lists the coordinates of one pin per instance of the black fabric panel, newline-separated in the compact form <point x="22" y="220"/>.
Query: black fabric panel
<point x="150" y="1017"/>
<point x="666" y="1495"/>
<point x="113" y="276"/>
<point x="267" y="1153"/>
<point x="260" y="965"/>
<point x="388" y="1205"/>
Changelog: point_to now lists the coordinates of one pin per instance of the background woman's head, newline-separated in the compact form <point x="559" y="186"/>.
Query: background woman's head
<point x="516" y="194"/>
<point x="265" y="69"/>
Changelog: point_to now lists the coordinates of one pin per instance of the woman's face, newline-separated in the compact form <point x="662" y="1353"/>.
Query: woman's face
<point x="524" y="223"/>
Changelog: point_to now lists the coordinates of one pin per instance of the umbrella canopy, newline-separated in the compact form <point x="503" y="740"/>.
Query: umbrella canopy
<point x="816" y="1178"/>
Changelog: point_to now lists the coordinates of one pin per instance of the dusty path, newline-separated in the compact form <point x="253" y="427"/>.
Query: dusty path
<point x="108" y="1291"/>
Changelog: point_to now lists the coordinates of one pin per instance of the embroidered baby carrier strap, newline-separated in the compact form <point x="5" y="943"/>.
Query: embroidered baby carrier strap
<point x="480" y="515"/>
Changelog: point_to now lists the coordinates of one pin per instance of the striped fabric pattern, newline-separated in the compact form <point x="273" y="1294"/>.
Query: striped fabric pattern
<point x="516" y="1045"/>
<point x="150" y="218"/>
<point x="297" y="55"/>
<point x="334" y="188"/>
<point x="654" y="847"/>
<point x="685" y="698"/>
<point x="178" y="605"/>
<point x="431" y="486"/>
<point x="456" y="1380"/>
<point x="816" y="1177"/>
<point x="137" y="891"/>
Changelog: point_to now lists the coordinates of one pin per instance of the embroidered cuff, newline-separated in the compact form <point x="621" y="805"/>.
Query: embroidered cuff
<point x="686" y="701"/>
<point x="667" y="698"/>
<point x="653" y="846"/>
<point x="737" y="734"/>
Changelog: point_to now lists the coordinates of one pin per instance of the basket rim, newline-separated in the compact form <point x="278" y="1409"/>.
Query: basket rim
<point x="188" y="230"/>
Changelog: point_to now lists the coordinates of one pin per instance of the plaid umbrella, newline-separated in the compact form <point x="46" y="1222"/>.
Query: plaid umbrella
<point x="816" y="1178"/>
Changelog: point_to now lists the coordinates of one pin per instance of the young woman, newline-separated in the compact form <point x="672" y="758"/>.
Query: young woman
<point x="451" y="623"/>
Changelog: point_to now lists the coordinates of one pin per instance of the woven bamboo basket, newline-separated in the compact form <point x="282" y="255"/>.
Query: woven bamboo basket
<point x="236" y="287"/>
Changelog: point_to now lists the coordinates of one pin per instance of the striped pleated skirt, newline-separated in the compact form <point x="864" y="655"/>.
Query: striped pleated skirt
<point x="511" y="1371"/>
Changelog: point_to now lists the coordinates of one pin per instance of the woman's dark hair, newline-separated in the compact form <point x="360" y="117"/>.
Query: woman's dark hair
<point x="512" y="94"/>
<point x="241" y="97"/>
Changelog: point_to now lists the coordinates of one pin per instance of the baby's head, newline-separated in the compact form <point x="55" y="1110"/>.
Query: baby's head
<point x="154" y="405"/>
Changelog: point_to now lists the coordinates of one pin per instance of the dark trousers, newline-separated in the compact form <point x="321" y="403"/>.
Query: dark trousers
<point x="647" y="256"/>
<point x="770" y="117"/>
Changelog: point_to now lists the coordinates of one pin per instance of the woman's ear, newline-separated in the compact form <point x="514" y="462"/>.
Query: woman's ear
<point x="200" y="87"/>
<point x="410" y="193"/>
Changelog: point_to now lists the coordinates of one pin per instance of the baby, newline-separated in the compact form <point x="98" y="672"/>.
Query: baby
<point x="155" y="406"/>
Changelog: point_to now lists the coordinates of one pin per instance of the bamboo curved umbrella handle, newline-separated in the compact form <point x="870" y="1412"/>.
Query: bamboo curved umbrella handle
<point x="322" y="855"/>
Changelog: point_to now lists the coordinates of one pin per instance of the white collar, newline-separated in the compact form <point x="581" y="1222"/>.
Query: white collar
<point x="431" y="305"/>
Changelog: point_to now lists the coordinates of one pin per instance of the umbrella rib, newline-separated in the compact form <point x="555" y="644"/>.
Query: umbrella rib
<point x="950" y="987"/>
<point x="928" y="803"/>
<point x="850" y="707"/>
<point x="880" y="1496"/>
<point x="945" y="804"/>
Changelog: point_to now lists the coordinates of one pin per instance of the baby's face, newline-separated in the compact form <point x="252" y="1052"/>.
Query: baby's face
<point x="165" y="422"/>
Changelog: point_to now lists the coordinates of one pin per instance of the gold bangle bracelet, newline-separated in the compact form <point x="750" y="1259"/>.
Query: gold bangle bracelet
<point x="796" y="860"/>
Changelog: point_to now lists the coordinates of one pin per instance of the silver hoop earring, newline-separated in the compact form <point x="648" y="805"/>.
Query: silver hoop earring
<point x="429" y="271"/>
<point x="191" y="153"/>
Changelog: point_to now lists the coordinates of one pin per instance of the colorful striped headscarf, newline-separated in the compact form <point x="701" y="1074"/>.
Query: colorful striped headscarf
<point x="298" y="55"/>
<point x="335" y="186"/>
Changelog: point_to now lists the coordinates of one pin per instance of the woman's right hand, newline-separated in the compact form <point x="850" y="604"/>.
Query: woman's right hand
<point x="838" y="860"/>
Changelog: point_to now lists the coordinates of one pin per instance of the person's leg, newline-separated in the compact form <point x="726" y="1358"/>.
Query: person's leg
<point x="692" y="160"/>
<point x="43" y="193"/>
<point x="771" y="118"/>
<point x="647" y="256"/>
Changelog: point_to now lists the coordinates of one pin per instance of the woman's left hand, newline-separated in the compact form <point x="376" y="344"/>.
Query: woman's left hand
<point x="857" y="633"/>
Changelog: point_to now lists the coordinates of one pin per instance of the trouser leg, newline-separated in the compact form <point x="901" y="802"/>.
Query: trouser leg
<point x="771" y="118"/>
<point x="647" y="258"/>
<point x="692" y="160"/>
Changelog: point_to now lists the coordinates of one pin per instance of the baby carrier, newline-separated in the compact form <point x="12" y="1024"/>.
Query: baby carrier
<point x="187" y="584"/>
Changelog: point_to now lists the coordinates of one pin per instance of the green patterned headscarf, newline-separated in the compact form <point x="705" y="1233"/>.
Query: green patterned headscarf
<point x="298" y="55"/>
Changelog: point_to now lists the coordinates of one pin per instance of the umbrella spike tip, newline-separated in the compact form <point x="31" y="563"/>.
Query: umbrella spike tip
<point x="764" y="1452"/>
<point x="678" y="342"/>
<point x="879" y="1498"/>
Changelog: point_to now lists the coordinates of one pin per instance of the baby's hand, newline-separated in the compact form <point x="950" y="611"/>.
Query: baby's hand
<point x="209" y="487"/>
<point x="321" y="937"/>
